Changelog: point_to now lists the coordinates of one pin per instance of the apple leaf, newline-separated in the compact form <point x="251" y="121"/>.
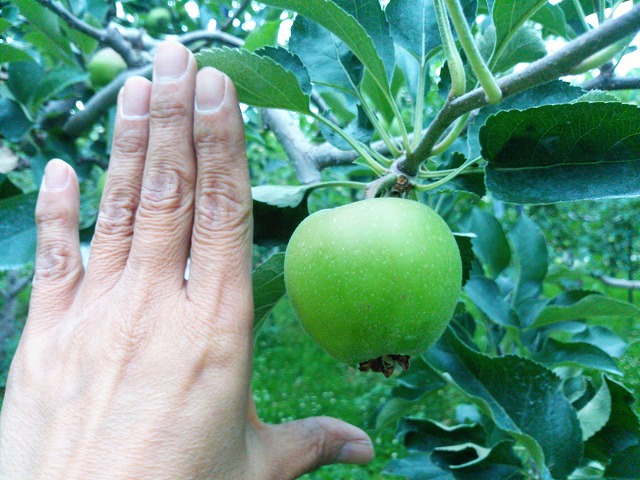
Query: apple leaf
<point x="328" y="60"/>
<point x="566" y="152"/>
<point x="485" y="294"/>
<point x="595" y="414"/>
<point x="291" y="62"/>
<point x="17" y="231"/>
<point x="524" y="398"/>
<point x="549" y="93"/>
<point x="417" y="466"/>
<point x="555" y="353"/>
<point x="268" y="288"/>
<point x="591" y="306"/>
<point x="508" y="17"/>
<point x="413" y="25"/>
<point x="624" y="465"/>
<point x="260" y="81"/>
<point x="277" y="211"/>
<point x="370" y="15"/>
<point x="490" y="243"/>
<point x="344" y="26"/>
<point x="621" y="431"/>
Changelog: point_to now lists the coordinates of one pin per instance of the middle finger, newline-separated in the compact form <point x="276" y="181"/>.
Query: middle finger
<point x="165" y="215"/>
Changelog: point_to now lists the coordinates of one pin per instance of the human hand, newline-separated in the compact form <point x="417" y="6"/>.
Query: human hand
<point x="127" y="370"/>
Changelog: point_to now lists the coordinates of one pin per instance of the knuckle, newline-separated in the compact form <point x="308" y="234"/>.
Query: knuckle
<point x="221" y="142"/>
<point x="165" y="191"/>
<point x="117" y="214"/>
<point x="166" y="108"/>
<point x="56" y="260"/>
<point x="48" y="216"/>
<point x="129" y="143"/>
<point x="222" y="206"/>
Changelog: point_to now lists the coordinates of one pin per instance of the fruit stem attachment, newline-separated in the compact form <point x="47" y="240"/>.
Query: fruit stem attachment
<point x="381" y="185"/>
<point x="456" y="68"/>
<point x="491" y="89"/>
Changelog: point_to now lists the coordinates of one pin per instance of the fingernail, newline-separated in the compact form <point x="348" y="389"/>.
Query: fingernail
<point x="171" y="61"/>
<point x="211" y="87"/>
<point x="56" y="175"/>
<point x="135" y="98"/>
<point x="358" y="452"/>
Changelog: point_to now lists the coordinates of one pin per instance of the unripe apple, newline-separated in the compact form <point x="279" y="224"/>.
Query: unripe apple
<point x="158" y="19"/>
<point x="104" y="66"/>
<point x="375" y="281"/>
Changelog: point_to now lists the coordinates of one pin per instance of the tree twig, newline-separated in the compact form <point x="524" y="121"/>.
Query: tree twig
<point x="110" y="37"/>
<point x="549" y="68"/>
<point x="619" y="282"/>
<point x="229" y="23"/>
<point x="612" y="83"/>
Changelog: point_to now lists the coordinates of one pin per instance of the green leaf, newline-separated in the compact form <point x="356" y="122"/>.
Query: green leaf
<point x="14" y="124"/>
<point x="417" y="466"/>
<point x="624" y="465"/>
<point x="52" y="83"/>
<point x="473" y="462"/>
<point x="526" y="46"/>
<point x="485" y="294"/>
<point x="277" y="211"/>
<point x="263" y="36"/>
<point x="621" y="431"/>
<point x="551" y="17"/>
<point x="268" y="288"/>
<point x="281" y="196"/>
<point x="24" y="78"/>
<point x="547" y="94"/>
<point x="359" y="129"/>
<point x="9" y="53"/>
<point x="17" y="231"/>
<point x="595" y="414"/>
<point x="259" y="81"/>
<point x="602" y="338"/>
<point x="427" y="435"/>
<point x="508" y="17"/>
<point x="523" y="397"/>
<point x="466" y="254"/>
<point x="592" y="306"/>
<point x="345" y="27"/>
<point x="413" y="25"/>
<point x="291" y="62"/>
<point x="370" y="15"/>
<point x="530" y="258"/>
<point x="328" y="60"/>
<point x="555" y="353"/>
<point x="490" y="243"/>
<point x="4" y="25"/>
<point x="564" y="152"/>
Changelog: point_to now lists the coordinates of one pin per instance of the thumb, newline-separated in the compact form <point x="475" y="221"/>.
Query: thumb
<point x="304" y="445"/>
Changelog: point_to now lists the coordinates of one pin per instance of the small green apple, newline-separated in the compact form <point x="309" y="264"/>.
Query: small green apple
<point x="158" y="19"/>
<point x="375" y="281"/>
<point x="104" y="66"/>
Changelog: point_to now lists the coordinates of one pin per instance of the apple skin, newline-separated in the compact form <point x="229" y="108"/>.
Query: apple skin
<point x="158" y="19"/>
<point x="104" y="66"/>
<point x="373" y="278"/>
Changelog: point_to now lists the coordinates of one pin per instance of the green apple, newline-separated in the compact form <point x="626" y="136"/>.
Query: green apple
<point x="105" y="65"/>
<point x="374" y="282"/>
<point x="158" y="19"/>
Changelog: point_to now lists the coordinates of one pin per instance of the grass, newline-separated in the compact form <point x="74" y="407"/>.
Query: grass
<point x="294" y="379"/>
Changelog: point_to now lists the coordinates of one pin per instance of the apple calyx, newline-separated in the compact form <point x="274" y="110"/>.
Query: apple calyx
<point x="386" y="364"/>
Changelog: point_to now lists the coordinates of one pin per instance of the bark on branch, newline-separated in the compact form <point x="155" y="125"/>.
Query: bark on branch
<point x="619" y="282"/>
